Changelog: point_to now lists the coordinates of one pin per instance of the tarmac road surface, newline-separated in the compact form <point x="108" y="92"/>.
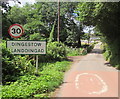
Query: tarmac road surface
<point x="90" y="76"/>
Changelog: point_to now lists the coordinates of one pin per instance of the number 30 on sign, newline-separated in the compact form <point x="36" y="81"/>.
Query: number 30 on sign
<point x="15" y="30"/>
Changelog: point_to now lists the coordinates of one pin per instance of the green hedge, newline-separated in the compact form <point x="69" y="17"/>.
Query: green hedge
<point x="111" y="54"/>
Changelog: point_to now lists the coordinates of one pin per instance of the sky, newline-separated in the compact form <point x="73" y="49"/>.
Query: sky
<point x="12" y="3"/>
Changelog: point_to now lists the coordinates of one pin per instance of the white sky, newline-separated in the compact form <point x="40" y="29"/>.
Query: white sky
<point x="12" y="3"/>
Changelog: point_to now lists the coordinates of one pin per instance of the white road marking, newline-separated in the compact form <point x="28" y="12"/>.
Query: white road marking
<point x="91" y="79"/>
<point x="104" y="85"/>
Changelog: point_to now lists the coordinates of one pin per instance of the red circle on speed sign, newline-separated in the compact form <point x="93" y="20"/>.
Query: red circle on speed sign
<point x="15" y="31"/>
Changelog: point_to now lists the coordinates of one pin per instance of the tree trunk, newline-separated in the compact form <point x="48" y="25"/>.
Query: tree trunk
<point x="79" y="41"/>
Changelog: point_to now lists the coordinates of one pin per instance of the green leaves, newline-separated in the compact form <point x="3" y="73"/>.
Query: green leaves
<point x="56" y="50"/>
<point x="14" y="65"/>
<point x="51" y="38"/>
<point x="75" y="51"/>
<point x="37" y="86"/>
<point x="35" y="36"/>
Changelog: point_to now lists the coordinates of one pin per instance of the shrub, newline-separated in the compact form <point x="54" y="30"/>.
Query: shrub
<point x="35" y="36"/>
<point x="111" y="54"/>
<point x="14" y="65"/>
<point x="56" y="50"/>
<point x="76" y="51"/>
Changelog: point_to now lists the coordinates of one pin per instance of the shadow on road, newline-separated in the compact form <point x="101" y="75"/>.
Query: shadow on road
<point x="74" y="58"/>
<point x="97" y="51"/>
<point x="108" y="64"/>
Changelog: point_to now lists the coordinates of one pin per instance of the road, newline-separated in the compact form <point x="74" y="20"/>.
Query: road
<point x="90" y="76"/>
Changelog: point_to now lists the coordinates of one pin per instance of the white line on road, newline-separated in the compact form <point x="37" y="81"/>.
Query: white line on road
<point x="104" y="85"/>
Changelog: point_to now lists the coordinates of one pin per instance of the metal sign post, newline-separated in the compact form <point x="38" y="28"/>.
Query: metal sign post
<point x="24" y="47"/>
<point x="36" y="64"/>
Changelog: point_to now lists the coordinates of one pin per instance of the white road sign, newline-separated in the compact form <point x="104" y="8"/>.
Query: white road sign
<point x="27" y="47"/>
<point x="15" y="31"/>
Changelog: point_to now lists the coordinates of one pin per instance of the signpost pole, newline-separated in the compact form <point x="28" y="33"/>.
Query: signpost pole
<point x="16" y="31"/>
<point x="36" y="63"/>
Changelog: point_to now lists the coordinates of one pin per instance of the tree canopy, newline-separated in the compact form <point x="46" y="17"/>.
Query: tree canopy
<point x="105" y="17"/>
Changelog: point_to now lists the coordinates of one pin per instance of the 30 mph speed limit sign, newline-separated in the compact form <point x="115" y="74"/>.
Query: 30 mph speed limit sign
<point x="15" y="30"/>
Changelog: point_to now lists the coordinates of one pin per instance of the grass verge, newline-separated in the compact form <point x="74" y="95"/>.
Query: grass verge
<point x="31" y="86"/>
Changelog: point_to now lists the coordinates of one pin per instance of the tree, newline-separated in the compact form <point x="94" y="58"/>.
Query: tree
<point x="5" y="21"/>
<point x="99" y="15"/>
<point x="40" y="18"/>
